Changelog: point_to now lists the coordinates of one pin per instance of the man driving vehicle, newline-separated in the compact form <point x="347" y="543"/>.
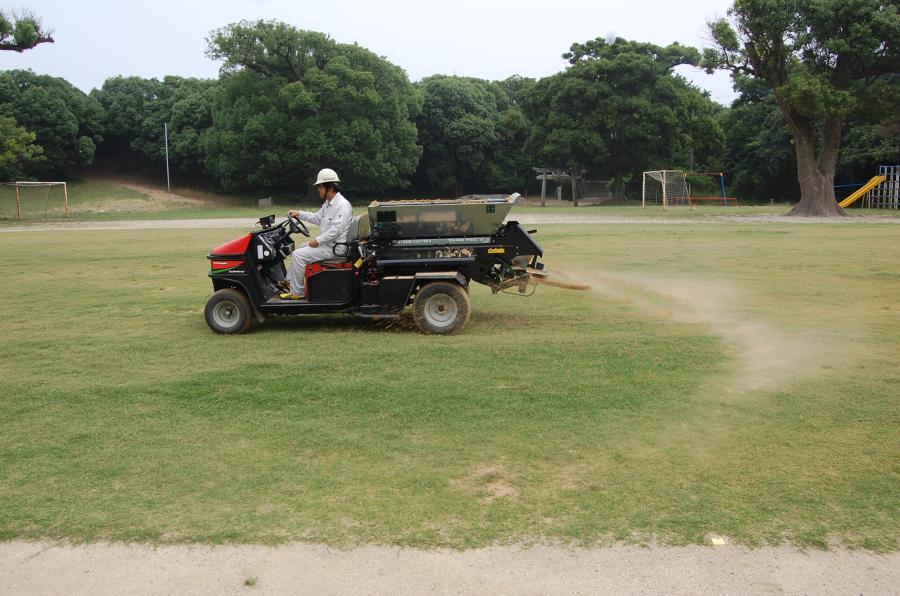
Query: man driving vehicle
<point x="333" y="220"/>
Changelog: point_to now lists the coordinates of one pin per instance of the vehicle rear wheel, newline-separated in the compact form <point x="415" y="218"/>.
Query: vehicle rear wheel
<point x="228" y="311"/>
<point x="441" y="308"/>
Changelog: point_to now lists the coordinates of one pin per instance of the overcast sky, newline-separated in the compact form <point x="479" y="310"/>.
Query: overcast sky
<point x="97" y="39"/>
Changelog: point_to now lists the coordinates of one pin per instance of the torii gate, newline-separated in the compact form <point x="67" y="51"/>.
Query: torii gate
<point x="545" y="174"/>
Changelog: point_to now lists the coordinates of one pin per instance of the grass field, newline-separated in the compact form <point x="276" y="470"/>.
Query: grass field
<point x="107" y="199"/>
<point x="729" y="379"/>
<point x="113" y="198"/>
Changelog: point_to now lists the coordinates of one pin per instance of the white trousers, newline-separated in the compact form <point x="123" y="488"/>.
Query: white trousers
<point x="302" y="257"/>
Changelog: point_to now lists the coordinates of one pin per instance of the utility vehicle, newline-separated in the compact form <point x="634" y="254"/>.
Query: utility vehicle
<point x="423" y="253"/>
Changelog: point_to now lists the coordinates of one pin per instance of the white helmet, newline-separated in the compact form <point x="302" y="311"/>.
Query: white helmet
<point x="327" y="175"/>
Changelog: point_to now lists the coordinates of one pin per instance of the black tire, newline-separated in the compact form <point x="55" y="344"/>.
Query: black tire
<point x="228" y="311"/>
<point x="441" y="308"/>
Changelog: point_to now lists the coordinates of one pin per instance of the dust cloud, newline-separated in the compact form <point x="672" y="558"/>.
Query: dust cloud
<point x="767" y="357"/>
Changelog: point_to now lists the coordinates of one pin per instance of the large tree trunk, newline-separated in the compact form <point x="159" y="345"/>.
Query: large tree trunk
<point x="815" y="173"/>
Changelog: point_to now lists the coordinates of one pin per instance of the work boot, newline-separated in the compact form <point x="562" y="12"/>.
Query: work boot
<point x="291" y="296"/>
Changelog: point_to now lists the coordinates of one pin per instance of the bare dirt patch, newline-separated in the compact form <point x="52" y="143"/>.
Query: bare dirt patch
<point x="157" y="200"/>
<point x="488" y="482"/>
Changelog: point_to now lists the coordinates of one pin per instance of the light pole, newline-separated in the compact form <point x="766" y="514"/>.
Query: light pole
<point x="166" y="135"/>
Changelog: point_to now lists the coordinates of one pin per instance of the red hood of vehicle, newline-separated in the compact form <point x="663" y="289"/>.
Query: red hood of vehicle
<point x="238" y="246"/>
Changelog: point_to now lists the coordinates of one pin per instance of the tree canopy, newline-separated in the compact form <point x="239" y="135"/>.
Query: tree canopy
<point x="18" y="153"/>
<point x="293" y="101"/>
<point x="20" y="32"/>
<point x="456" y="130"/>
<point x="66" y="123"/>
<point x="759" y="153"/>
<point x="137" y="109"/>
<point x="825" y="60"/>
<point x="473" y="133"/>
<point x="618" y="109"/>
<point x="815" y="76"/>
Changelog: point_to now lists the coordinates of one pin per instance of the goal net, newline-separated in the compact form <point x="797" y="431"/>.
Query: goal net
<point x="598" y="190"/>
<point x="33" y="200"/>
<point x="666" y="188"/>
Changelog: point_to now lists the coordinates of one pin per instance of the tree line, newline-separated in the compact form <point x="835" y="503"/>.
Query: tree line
<point x="289" y="101"/>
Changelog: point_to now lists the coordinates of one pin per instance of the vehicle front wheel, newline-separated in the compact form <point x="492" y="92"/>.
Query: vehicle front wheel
<point x="228" y="311"/>
<point x="441" y="308"/>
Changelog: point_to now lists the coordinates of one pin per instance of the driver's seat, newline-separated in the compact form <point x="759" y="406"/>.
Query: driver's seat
<point x="359" y="228"/>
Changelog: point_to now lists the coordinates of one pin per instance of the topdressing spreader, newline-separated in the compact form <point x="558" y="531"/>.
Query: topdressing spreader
<point x="424" y="253"/>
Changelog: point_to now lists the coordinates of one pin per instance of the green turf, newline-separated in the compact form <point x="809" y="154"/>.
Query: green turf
<point x="48" y="203"/>
<point x="103" y="199"/>
<point x="620" y="414"/>
<point x="114" y="199"/>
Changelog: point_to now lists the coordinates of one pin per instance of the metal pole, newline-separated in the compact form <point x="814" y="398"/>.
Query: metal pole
<point x="891" y="191"/>
<point x="543" y="188"/>
<point x="665" y="203"/>
<point x="574" y="192"/>
<point x="166" y="134"/>
<point x="643" y="190"/>
<point x="722" y="182"/>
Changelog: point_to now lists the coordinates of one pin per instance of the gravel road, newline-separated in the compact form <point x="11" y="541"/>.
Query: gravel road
<point x="40" y="568"/>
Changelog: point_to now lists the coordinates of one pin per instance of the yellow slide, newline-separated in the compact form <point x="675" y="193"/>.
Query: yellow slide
<point x="868" y="186"/>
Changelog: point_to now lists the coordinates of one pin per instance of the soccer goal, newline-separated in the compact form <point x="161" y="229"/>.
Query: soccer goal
<point x="666" y="188"/>
<point x="33" y="200"/>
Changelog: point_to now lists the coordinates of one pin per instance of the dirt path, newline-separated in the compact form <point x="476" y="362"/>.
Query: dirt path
<point x="39" y="568"/>
<point x="154" y="199"/>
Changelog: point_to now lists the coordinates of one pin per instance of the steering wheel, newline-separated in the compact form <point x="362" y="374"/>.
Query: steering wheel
<point x="297" y="225"/>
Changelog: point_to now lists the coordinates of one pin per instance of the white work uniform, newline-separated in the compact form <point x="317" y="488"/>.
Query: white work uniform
<point x="333" y="220"/>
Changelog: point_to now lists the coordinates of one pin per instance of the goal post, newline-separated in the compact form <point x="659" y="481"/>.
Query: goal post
<point x="666" y="188"/>
<point x="27" y="194"/>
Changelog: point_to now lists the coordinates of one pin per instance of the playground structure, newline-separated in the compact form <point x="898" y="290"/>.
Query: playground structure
<point x="674" y="188"/>
<point x="718" y="182"/>
<point x="881" y="192"/>
<point x="28" y="194"/>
